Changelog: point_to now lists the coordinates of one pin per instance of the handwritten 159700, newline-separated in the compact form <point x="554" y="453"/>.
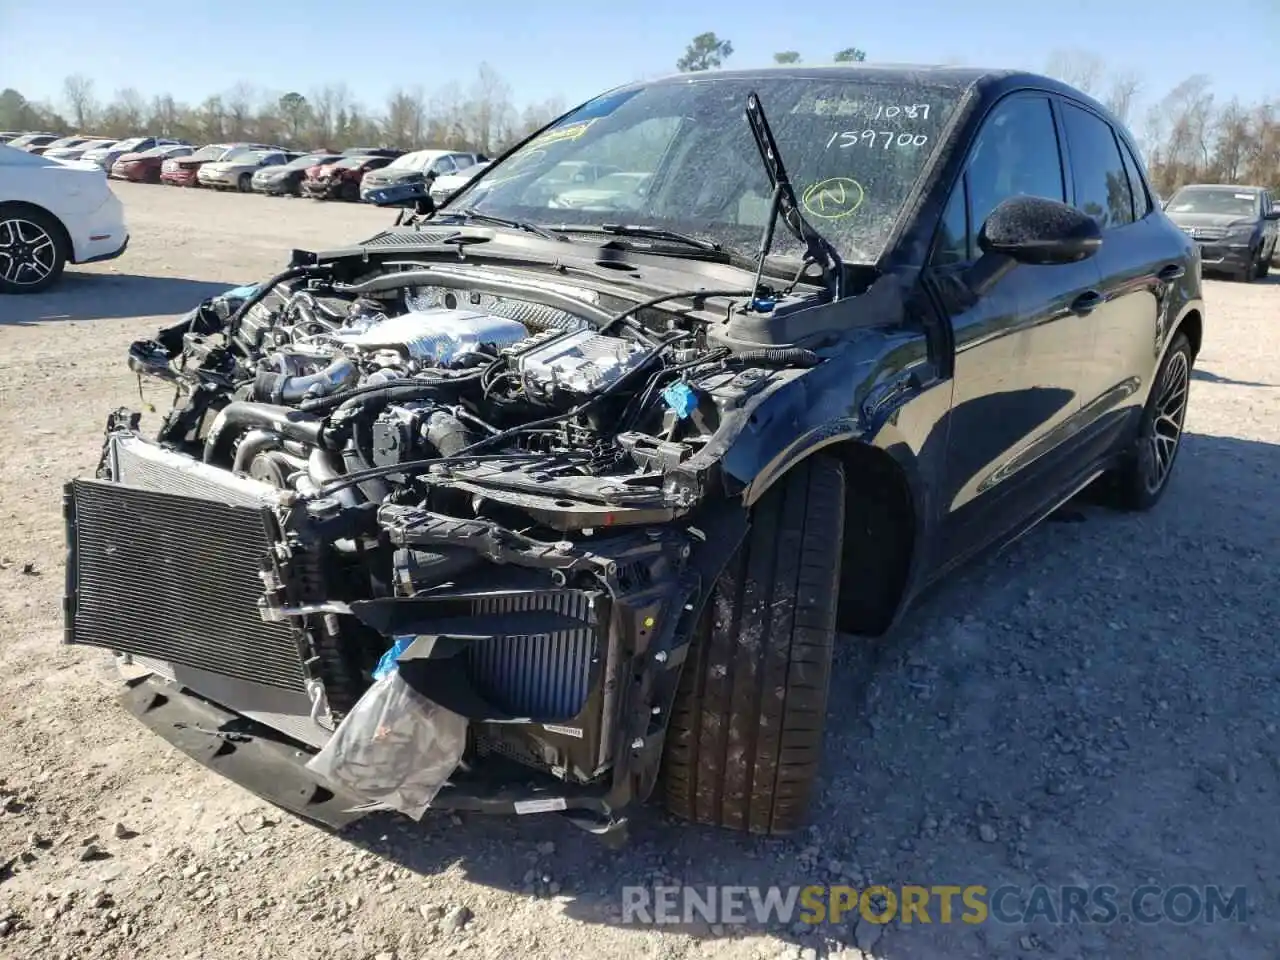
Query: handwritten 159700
<point x="872" y="138"/>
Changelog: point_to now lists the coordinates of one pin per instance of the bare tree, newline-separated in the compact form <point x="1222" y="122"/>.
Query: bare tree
<point x="1122" y="93"/>
<point x="77" y="90"/>
<point x="489" y="109"/>
<point x="239" y="101"/>
<point x="1079" y="68"/>
<point x="1235" y="135"/>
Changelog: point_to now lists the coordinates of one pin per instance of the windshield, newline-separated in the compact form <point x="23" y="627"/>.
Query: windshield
<point x="68" y="142"/>
<point x="310" y="160"/>
<point x="680" y="156"/>
<point x="352" y="163"/>
<point x="132" y="144"/>
<point x="411" y="161"/>
<point x="1210" y="200"/>
<point x="211" y="152"/>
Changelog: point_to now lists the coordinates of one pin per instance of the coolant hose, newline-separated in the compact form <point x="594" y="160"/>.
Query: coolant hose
<point x="289" y="424"/>
<point x="272" y="387"/>
<point x="322" y="468"/>
<point x="256" y="441"/>
<point x="405" y="388"/>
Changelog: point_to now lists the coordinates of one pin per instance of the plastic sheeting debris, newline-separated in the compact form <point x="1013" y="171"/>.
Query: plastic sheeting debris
<point x="396" y="748"/>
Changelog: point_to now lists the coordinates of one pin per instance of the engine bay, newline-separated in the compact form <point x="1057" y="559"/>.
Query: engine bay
<point x="454" y="399"/>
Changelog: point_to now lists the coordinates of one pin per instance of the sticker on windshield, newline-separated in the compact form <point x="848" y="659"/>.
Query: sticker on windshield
<point x="833" y="199"/>
<point x="570" y="131"/>
<point x="1244" y="196"/>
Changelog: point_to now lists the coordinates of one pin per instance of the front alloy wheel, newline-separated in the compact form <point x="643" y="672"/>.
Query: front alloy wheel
<point x="1162" y="433"/>
<point x="1143" y="475"/>
<point x="31" y="254"/>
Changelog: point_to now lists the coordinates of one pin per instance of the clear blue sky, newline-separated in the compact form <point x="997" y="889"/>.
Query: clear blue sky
<point x="571" y="48"/>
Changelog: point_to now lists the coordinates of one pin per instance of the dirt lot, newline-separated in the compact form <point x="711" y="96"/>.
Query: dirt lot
<point x="1098" y="705"/>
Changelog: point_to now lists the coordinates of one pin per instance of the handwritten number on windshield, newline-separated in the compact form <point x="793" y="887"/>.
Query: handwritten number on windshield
<point x="876" y="138"/>
<point x="911" y="112"/>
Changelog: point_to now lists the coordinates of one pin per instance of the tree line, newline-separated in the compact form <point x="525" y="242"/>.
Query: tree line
<point x="480" y="116"/>
<point x="1187" y="133"/>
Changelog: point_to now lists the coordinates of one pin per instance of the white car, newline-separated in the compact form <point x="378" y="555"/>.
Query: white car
<point x="53" y="212"/>
<point x="451" y="183"/>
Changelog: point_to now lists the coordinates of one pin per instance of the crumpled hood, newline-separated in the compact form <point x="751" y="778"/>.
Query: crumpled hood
<point x="387" y="175"/>
<point x="1211" y="220"/>
<point x="131" y="157"/>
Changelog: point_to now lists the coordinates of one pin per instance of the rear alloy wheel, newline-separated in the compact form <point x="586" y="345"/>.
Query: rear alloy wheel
<point x="32" y="251"/>
<point x="1144" y="476"/>
<point x="745" y="736"/>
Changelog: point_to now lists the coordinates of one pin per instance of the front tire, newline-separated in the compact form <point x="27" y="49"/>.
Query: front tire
<point x="1143" y="476"/>
<point x="246" y="183"/>
<point x="745" y="737"/>
<point x="33" y="250"/>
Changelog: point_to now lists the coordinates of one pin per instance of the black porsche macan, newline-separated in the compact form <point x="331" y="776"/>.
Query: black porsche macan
<point x="559" y="496"/>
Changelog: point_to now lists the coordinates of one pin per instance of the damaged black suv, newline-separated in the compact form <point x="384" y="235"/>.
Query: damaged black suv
<point x="558" y="495"/>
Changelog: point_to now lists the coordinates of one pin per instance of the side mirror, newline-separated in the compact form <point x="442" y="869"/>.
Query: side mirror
<point x="1036" y="230"/>
<point x="1273" y="215"/>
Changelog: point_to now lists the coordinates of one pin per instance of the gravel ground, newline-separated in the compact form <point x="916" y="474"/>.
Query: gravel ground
<point x="1097" y="705"/>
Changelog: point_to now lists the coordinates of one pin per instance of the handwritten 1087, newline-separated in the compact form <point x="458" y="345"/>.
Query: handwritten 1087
<point x="871" y="138"/>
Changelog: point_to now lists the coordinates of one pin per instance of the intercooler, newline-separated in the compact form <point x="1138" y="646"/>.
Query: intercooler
<point x="164" y="565"/>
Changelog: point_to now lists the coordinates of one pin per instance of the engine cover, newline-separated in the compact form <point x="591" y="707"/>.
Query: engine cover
<point x="436" y="335"/>
<point x="580" y="362"/>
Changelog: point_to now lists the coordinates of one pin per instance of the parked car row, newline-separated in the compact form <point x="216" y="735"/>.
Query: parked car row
<point x="270" y="169"/>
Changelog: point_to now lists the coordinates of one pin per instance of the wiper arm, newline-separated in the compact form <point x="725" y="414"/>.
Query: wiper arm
<point x="471" y="213"/>
<point x="817" y="248"/>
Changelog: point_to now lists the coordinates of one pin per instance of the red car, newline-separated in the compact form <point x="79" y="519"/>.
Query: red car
<point x="144" y="167"/>
<point x="341" y="180"/>
<point x="182" y="171"/>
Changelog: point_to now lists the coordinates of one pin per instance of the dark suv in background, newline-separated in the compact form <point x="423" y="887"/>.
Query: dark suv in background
<point x="1235" y="227"/>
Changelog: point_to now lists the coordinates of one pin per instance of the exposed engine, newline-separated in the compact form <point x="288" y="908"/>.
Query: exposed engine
<point x="327" y="393"/>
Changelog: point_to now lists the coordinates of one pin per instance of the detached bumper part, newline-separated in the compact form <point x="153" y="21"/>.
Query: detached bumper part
<point x="244" y="752"/>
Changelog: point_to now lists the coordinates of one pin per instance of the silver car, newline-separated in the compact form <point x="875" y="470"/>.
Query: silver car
<point x="235" y="171"/>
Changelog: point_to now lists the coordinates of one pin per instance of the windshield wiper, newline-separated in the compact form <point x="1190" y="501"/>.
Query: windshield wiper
<point x="657" y="233"/>
<point x="817" y="248"/>
<point x="470" y="213"/>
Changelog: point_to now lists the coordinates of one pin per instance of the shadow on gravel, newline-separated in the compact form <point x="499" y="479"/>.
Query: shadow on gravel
<point x="1199" y="373"/>
<point x="1050" y="715"/>
<point x="103" y="296"/>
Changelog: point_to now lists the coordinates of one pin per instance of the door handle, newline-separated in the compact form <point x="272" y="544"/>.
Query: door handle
<point x="1174" y="271"/>
<point x="1087" y="302"/>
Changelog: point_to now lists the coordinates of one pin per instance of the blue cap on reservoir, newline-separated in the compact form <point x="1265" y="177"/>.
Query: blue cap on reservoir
<point x="681" y="399"/>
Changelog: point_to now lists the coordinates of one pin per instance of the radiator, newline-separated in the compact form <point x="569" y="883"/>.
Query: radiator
<point x="175" y="577"/>
<point x="163" y="565"/>
<point x="545" y="678"/>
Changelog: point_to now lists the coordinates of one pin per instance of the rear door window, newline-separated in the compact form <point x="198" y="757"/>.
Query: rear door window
<point x="1097" y="170"/>
<point x="1141" y="201"/>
